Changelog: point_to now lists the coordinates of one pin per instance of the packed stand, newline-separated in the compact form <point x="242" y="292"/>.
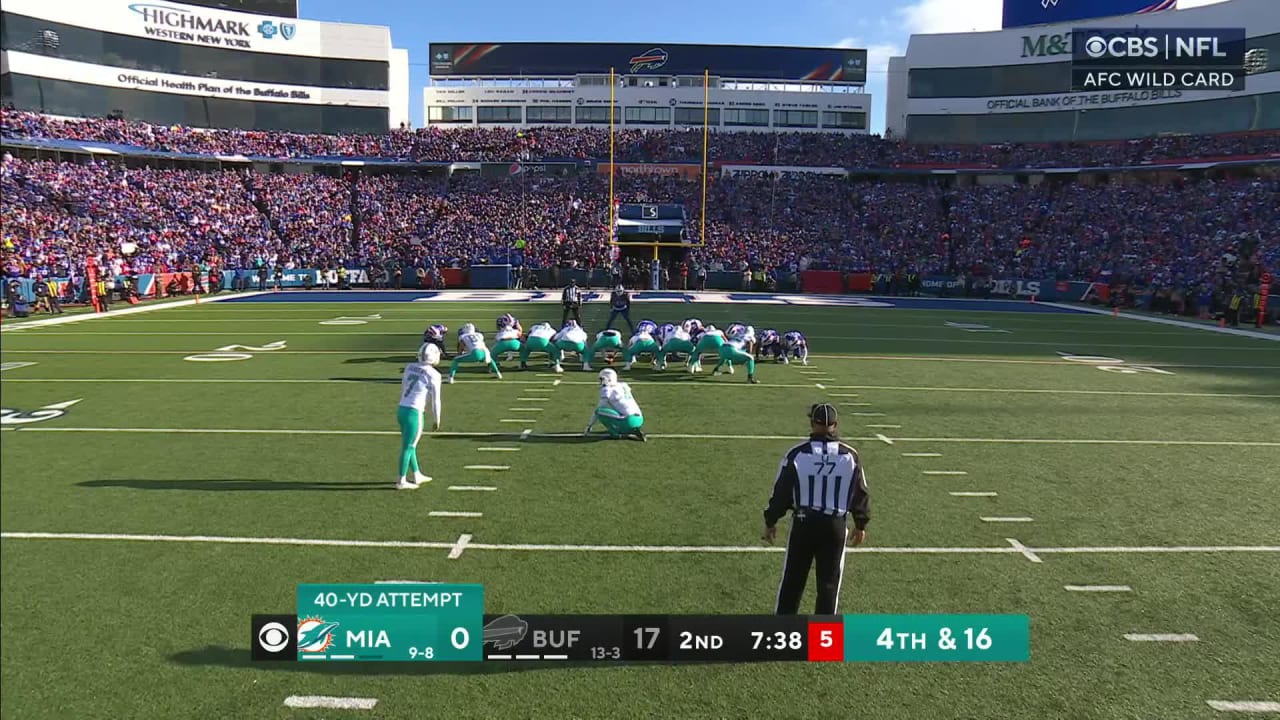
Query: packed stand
<point x="504" y="144"/>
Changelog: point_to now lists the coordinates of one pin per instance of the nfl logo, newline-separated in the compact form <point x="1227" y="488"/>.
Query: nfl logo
<point x="287" y="30"/>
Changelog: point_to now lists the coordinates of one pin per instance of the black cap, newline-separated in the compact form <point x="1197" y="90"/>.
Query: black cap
<point x="823" y="414"/>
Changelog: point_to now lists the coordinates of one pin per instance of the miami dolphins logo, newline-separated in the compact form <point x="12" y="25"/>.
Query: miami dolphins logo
<point x="315" y="635"/>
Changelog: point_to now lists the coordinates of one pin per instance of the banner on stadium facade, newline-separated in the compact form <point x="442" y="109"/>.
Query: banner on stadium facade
<point x="1019" y="13"/>
<point x="538" y="169"/>
<point x="688" y="171"/>
<point x="778" y="170"/>
<point x="212" y="27"/>
<point x="72" y="71"/>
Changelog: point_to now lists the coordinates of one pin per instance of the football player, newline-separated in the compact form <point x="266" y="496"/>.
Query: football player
<point x="795" y="346"/>
<point x="710" y="341"/>
<point x="610" y="340"/>
<point x="539" y="340"/>
<point x="617" y="410"/>
<point x="770" y="345"/>
<point x="643" y="343"/>
<point x="507" y="339"/>
<point x="739" y="348"/>
<point x="471" y="349"/>
<point x="675" y="341"/>
<point x="420" y="385"/>
<point x="435" y="335"/>
<point x="571" y="338"/>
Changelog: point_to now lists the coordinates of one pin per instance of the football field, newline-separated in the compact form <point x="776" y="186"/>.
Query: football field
<point x="167" y="474"/>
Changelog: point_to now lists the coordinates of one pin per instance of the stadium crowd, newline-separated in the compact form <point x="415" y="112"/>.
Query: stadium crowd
<point x="1189" y="234"/>
<point x="669" y="145"/>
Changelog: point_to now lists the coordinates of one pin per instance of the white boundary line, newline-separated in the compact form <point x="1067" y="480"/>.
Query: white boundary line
<point x="944" y="472"/>
<point x="973" y="494"/>
<point x="1245" y="706"/>
<point x="486" y="467"/>
<point x="473" y="488"/>
<point x="328" y="702"/>
<point x="668" y="436"/>
<point x="1175" y="323"/>
<point x="922" y="455"/>
<point x="693" y="549"/>
<point x="1161" y="637"/>
<point x="454" y="514"/>
<point x="132" y="310"/>
<point x="497" y="449"/>
<point x="1098" y="588"/>
<point x="996" y="519"/>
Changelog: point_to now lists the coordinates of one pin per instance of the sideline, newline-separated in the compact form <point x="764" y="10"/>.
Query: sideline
<point x="1175" y="323"/>
<point x="132" y="310"/>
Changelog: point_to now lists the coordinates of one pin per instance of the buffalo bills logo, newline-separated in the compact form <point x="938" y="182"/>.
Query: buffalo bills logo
<point x="650" y="60"/>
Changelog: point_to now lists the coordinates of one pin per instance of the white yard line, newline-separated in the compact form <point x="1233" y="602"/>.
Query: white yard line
<point x="973" y="494"/>
<point x="327" y="702"/>
<point x="921" y="455"/>
<point x="991" y="519"/>
<point x="857" y="404"/>
<point x="473" y="488"/>
<point x="486" y="467"/>
<point x="526" y="409"/>
<point x="693" y="549"/>
<point x="1245" y="706"/>
<point x="669" y="436"/>
<point x="886" y="427"/>
<point x="519" y="420"/>
<point x="867" y="414"/>
<point x="1026" y="552"/>
<point x="888" y="388"/>
<point x="884" y="439"/>
<point x="820" y="386"/>
<point x="944" y="472"/>
<point x="460" y="546"/>
<point x="1098" y="588"/>
<point x="1161" y="637"/>
<point x="497" y="449"/>
<point x="454" y="514"/>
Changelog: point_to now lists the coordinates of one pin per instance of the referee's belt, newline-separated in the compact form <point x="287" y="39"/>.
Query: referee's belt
<point x="812" y="514"/>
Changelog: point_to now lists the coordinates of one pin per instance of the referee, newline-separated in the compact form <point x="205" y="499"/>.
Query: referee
<point x="822" y="481"/>
<point x="571" y="298"/>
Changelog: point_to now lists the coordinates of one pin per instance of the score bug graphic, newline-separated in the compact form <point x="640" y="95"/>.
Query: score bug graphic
<point x="315" y="635"/>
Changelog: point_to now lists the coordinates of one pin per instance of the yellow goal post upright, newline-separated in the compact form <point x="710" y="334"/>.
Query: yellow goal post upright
<point x="612" y="228"/>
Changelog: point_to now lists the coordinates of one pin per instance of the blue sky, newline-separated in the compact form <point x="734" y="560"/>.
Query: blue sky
<point x="881" y="26"/>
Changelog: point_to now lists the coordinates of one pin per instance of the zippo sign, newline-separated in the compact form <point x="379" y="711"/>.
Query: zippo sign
<point x="1019" y="13"/>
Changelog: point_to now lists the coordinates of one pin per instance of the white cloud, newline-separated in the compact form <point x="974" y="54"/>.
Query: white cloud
<point x="943" y="16"/>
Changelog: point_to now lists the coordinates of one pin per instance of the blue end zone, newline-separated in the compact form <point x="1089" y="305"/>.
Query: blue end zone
<point x="519" y="296"/>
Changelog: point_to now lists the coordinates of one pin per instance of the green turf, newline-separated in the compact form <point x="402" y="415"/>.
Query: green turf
<point x="112" y="629"/>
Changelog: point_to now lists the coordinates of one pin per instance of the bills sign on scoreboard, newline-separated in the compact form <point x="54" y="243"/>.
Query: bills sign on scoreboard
<point x="1020" y="13"/>
<point x="1137" y="58"/>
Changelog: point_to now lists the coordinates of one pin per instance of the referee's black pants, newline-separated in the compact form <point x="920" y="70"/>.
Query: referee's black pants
<point x="815" y="539"/>
<point x="570" y="310"/>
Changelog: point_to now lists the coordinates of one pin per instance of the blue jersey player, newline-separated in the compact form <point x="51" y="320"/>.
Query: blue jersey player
<point x="435" y="335"/>
<point x="795" y="347"/>
<point x="770" y="345"/>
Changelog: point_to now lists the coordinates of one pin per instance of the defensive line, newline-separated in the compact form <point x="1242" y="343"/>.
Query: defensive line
<point x="668" y="436"/>
<point x="660" y="549"/>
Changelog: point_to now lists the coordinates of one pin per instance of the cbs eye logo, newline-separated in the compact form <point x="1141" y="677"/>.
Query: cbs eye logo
<point x="1095" y="47"/>
<point x="274" y="637"/>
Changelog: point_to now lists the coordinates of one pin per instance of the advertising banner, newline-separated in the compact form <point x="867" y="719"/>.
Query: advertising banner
<point x="556" y="169"/>
<point x="1019" y="13"/>
<point x="822" y="282"/>
<point x="688" y="171"/>
<point x="101" y="75"/>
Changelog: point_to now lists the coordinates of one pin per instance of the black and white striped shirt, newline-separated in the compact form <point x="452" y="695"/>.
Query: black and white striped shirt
<point x="821" y="476"/>
<point x="570" y="296"/>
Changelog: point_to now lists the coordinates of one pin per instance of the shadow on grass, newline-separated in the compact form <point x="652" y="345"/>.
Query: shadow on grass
<point x="239" y="485"/>
<point x="241" y="658"/>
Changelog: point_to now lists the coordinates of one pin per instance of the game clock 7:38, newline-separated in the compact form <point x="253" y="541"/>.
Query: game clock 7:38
<point x="777" y="640"/>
